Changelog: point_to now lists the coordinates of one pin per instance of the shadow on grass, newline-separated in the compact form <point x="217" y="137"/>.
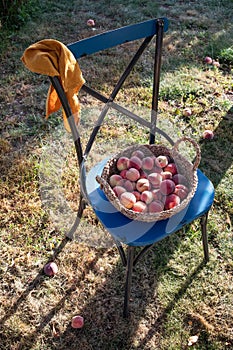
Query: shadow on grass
<point x="105" y="328"/>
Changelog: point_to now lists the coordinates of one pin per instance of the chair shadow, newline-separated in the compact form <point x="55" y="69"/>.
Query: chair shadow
<point x="103" y="316"/>
<point x="103" y="313"/>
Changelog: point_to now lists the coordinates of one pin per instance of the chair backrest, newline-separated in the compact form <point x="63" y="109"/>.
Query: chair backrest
<point x="145" y="30"/>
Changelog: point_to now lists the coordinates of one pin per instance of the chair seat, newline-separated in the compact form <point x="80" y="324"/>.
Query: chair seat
<point x="138" y="233"/>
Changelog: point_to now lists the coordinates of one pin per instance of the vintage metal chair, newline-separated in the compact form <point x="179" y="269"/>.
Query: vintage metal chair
<point x="129" y="234"/>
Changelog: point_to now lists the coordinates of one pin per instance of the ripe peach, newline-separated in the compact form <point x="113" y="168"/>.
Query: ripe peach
<point x="147" y="163"/>
<point x="137" y="195"/>
<point x="129" y="185"/>
<point x="140" y="207"/>
<point x="143" y="174"/>
<point x="123" y="173"/>
<point x="216" y="63"/>
<point x="134" y="162"/>
<point x="208" y="135"/>
<point x="157" y="195"/>
<point x="208" y="60"/>
<point x="118" y="190"/>
<point x="77" y="322"/>
<point x="181" y="191"/>
<point x="90" y="22"/>
<point x="162" y="161"/>
<point x="179" y="179"/>
<point x="132" y="174"/>
<point x="114" y="180"/>
<point x="138" y="153"/>
<point x="51" y="269"/>
<point x="155" y="179"/>
<point x="156" y="169"/>
<point x="172" y="201"/>
<point x="143" y="185"/>
<point x="187" y="112"/>
<point x="128" y="199"/>
<point x="155" y="207"/>
<point x="147" y="196"/>
<point x="171" y="167"/>
<point x="167" y="186"/>
<point x="122" y="163"/>
<point x="166" y="175"/>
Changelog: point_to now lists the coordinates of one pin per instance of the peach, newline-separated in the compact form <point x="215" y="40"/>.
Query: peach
<point x="129" y="185"/>
<point x="134" y="162"/>
<point x="123" y="173"/>
<point x="171" y="167"/>
<point x="208" y="60"/>
<point x="147" y="196"/>
<point x="138" y="153"/>
<point x="90" y="22"/>
<point x="157" y="195"/>
<point x="140" y="207"/>
<point x="181" y="191"/>
<point x="137" y="195"/>
<point x="143" y="185"/>
<point x="143" y="174"/>
<point x="162" y="161"/>
<point x="156" y="169"/>
<point x="132" y="174"/>
<point x="118" y="190"/>
<point x="179" y="179"/>
<point x="77" y="322"/>
<point x="128" y="200"/>
<point x="166" y="175"/>
<point x="122" y="163"/>
<point x="216" y="63"/>
<point x="187" y="112"/>
<point x="51" y="269"/>
<point x="172" y="201"/>
<point x="208" y="135"/>
<point x="167" y="186"/>
<point x="155" y="179"/>
<point x="114" y="180"/>
<point x="147" y="163"/>
<point x="155" y="207"/>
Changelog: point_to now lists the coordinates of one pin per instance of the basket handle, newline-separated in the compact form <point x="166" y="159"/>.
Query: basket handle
<point x="195" y="145"/>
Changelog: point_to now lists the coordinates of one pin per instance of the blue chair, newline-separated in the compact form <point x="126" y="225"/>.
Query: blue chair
<point x="127" y="232"/>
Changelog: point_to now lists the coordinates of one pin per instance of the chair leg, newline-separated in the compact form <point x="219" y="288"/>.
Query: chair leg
<point x="121" y="253"/>
<point x="204" y="220"/>
<point x="129" y="269"/>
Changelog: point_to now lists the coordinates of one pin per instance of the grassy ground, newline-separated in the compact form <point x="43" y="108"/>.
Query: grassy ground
<point x="174" y="295"/>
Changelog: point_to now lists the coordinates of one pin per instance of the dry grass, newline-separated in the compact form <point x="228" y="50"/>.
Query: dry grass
<point x="174" y="295"/>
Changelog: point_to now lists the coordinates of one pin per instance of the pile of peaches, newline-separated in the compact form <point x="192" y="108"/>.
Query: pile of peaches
<point x="148" y="184"/>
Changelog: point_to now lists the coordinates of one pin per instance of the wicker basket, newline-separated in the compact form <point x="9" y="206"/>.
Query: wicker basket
<point x="184" y="166"/>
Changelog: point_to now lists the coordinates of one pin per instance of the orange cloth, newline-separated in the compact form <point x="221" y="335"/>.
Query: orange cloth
<point x="52" y="58"/>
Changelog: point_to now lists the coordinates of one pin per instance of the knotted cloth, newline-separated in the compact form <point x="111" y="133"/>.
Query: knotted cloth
<point x="51" y="57"/>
